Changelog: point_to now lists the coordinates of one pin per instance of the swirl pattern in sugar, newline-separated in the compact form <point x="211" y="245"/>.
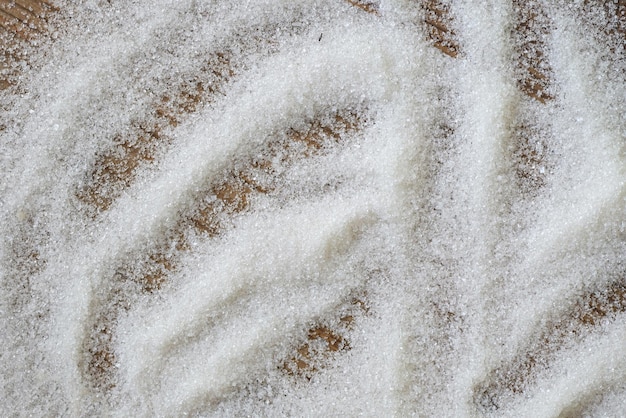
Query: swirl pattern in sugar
<point x="321" y="208"/>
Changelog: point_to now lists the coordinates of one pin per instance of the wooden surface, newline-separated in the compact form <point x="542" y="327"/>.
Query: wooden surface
<point x="22" y="24"/>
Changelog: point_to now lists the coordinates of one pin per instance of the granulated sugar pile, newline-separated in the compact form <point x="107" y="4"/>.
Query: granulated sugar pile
<point x="315" y="208"/>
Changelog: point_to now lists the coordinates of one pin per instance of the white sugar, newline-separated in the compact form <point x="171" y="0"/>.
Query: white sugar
<point x="397" y="251"/>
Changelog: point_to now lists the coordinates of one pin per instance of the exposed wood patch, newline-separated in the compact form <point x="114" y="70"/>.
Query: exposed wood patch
<point x="325" y="341"/>
<point x="532" y="25"/>
<point x="439" y="24"/>
<point x="365" y="5"/>
<point x="22" y="24"/>
<point x="530" y="158"/>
